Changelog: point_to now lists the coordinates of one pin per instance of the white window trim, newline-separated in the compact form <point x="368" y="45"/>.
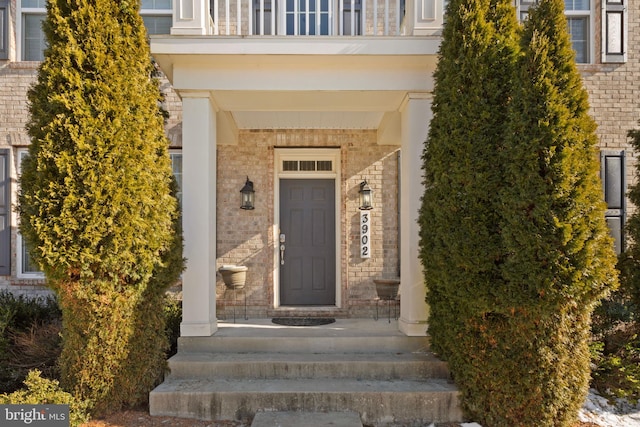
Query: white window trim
<point x="21" y="152"/>
<point x="591" y="33"/>
<point x="591" y="22"/>
<point x="21" y="11"/>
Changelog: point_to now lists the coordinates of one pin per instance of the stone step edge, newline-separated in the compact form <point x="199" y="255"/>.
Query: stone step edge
<point x="321" y="385"/>
<point x="294" y="345"/>
<point x="298" y="419"/>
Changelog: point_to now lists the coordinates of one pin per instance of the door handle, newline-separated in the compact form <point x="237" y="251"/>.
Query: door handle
<point x="282" y="239"/>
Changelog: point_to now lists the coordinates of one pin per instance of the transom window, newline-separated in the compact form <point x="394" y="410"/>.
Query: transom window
<point x="156" y="14"/>
<point x="307" y="165"/>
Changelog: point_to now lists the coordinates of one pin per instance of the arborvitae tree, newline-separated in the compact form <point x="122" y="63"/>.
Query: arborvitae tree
<point x="560" y="260"/>
<point x="460" y="246"/>
<point x="514" y="245"/>
<point x="95" y="201"/>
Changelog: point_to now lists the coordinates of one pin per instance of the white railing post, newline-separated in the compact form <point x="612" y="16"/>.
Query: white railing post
<point x="363" y="17"/>
<point x="398" y="17"/>
<point x="239" y="17"/>
<point x="341" y="17"/>
<point x="227" y="17"/>
<point x="216" y="17"/>
<point x="375" y="17"/>
<point x="386" y="17"/>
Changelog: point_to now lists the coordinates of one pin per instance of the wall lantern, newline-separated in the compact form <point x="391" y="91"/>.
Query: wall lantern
<point x="247" y="195"/>
<point x="365" y="196"/>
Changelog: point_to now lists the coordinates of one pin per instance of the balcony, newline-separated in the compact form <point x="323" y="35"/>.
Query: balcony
<point x="388" y="18"/>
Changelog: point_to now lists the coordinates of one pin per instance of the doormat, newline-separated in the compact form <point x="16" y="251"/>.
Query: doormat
<point x="302" y="321"/>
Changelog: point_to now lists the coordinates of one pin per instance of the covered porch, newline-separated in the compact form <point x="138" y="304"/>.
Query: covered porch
<point x="250" y="105"/>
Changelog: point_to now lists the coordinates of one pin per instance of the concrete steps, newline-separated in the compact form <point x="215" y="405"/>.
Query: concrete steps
<point x="387" y="378"/>
<point x="362" y="366"/>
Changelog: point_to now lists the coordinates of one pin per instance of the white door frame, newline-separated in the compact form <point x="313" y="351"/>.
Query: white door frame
<point x="302" y="154"/>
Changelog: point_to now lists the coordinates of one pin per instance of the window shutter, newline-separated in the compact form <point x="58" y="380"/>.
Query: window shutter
<point x="4" y="29"/>
<point x="614" y="184"/>
<point x="5" y="210"/>
<point x="614" y="30"/>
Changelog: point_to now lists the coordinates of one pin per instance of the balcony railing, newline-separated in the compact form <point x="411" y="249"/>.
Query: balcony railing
<point x="308" y="17"/>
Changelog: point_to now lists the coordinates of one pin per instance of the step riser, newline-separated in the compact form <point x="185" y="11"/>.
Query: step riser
<point x="296" y="345"/>
<point x="379" y="408"/>
<point x="296" y="370"/>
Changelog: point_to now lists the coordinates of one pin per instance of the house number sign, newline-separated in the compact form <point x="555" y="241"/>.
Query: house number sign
<point x="365" y="233"/>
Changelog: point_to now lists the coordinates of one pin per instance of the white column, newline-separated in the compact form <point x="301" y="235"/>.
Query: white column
<point x="416" y="115"/>
<point x="199" y="215"/>
<point x="191" y="17"/>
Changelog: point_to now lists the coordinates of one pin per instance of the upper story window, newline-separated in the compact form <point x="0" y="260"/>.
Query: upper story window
<point x="156" y="14"/>
<point x="4" y="29"/>
<point x="580" y="28"/>
<point x="579" y="23"/>
<point x="585" y="29"/>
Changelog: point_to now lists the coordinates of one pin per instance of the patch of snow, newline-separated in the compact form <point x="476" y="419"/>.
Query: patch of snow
<point x="598" y="410"/>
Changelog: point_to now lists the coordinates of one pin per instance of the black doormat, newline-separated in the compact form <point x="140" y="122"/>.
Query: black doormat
<point x="302" y="321"/>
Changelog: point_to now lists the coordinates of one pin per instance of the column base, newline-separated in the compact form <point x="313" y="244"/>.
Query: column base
<point x="413" y="328"/>
<point x="198" y="329"/>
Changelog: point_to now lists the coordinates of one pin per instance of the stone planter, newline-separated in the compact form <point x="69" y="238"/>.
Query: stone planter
<point x="234" y="276"/>
<point x="387" y="289"/>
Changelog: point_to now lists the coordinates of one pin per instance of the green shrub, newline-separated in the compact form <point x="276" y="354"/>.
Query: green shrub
<point x="95" y="199"/>
<point x="459" y="219"/>
<point x="29" y="338"/>
<point x="173" y="314"/>
<point x="44" y="391"/>
<point x="514" y="244"/>
<point x="617" y="372"/>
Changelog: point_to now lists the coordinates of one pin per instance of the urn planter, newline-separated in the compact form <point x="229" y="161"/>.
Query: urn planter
<point x="233" y="276"/>
<point x="387" y="289"/>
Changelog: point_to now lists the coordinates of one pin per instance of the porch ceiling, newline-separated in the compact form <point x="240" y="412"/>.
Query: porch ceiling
<point x="307" y="109"/>
<point x="299" y="82"/>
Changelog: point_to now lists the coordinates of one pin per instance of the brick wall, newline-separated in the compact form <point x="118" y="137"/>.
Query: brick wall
<point x="246" y="237"/>
<point x="614" y="93"/>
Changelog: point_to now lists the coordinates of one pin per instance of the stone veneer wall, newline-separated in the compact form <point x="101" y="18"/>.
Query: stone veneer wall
<point x="246" y="237"/>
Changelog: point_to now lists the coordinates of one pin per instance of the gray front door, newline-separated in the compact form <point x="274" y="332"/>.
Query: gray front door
<point x="307" y="221"/>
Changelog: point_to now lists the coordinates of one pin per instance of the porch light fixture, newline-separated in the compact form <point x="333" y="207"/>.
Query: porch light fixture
<point x="365" y="193"/>
<point x="247" y="195"/>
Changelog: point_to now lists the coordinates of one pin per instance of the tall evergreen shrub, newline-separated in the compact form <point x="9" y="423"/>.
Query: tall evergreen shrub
<point x="514" y="244"/>
<point x="460" y="244"/>
<point x="560" y="260"/>
<point x="95" y="201"/>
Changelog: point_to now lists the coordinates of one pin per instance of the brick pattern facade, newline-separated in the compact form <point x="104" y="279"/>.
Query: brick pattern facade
<point x="246" y="237"/>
